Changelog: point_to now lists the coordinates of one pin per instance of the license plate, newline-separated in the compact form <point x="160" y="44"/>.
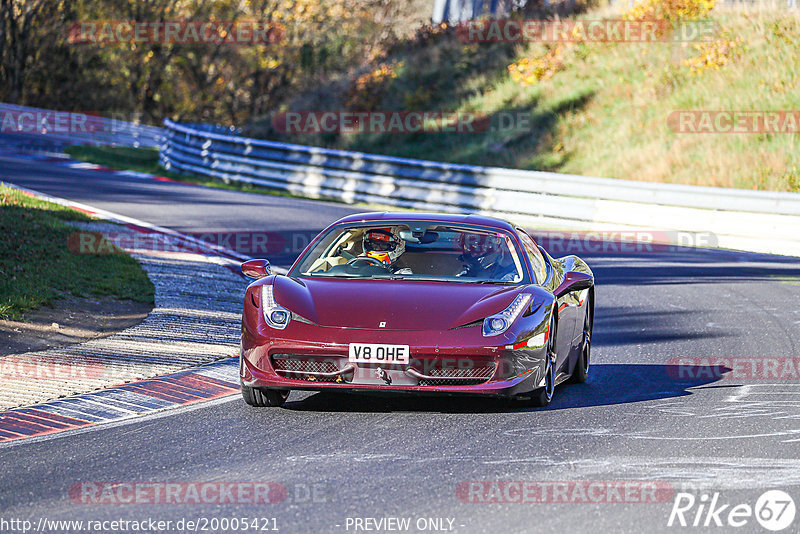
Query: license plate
<point x="378" y="353"/>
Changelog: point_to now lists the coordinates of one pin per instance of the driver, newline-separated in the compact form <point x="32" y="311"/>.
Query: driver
<point x="386" y="246"/>
<point x="486" y="257"/>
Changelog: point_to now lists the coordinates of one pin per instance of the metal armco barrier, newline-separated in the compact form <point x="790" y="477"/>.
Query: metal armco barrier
<point x="75" y="128"/>
<point x="739" y="219"/>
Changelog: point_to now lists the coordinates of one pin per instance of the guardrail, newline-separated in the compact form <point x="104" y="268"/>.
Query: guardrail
<point x="73" y="128"/>
<point x="739" y="219"/>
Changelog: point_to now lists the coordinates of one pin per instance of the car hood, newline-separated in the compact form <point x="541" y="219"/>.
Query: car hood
<point x="401" y="304"/>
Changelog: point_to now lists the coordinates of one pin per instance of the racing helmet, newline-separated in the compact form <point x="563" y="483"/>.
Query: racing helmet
<point x="484" y="249"/>
<point x="383" y="245"/>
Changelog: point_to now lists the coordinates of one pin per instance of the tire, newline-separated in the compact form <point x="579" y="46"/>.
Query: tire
<point x="581" y="371"/>
<point x="542" y="396"/>
<point x="263" y="397"/>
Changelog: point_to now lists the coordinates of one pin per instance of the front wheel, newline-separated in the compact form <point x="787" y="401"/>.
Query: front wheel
<point x="542" y="396"/>
<point x="264" y="397"/>
<point x="581" y="371"/>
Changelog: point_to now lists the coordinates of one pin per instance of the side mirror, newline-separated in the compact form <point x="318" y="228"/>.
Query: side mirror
<point x="573" y="281"/>
<point x="256" y="269"/>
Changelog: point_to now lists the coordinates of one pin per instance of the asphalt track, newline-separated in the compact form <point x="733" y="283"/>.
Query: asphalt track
<point x="340" y="457"/>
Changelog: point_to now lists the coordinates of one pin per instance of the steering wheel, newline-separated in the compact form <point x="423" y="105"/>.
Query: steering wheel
<point x="340" y="251"/>
<point x="371" y="261"/>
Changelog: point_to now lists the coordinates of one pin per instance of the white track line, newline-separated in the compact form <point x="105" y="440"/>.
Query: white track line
<point x="124" y="219"/>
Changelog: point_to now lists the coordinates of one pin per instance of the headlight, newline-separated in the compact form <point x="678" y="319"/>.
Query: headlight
<point x="499" y="322"/>
<point x="276" y="316"/>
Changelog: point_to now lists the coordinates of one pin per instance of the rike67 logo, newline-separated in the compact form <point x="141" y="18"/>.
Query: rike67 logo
<point x="774" y="510"/>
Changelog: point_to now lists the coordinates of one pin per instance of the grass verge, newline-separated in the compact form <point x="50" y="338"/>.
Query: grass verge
<point x="36" y="264"/>
<point x="600" y="108"/>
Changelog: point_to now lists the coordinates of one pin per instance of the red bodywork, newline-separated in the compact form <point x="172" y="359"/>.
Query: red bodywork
<point x="441" y="322"/>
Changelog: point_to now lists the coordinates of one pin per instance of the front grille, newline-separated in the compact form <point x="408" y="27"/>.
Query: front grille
<point x="474" y="372"/>
<point x="469" y="376"/>
<point x="446" y="382"/>
<point x="434" y="372"/>
<point x="298" y="367"/>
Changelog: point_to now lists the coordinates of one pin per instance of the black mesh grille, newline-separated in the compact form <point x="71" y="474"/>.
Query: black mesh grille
<point x="469" y="376"/>
<point x="294" y="367"/>
<point x="451" y="382"/>
<point x="470" y="372"/>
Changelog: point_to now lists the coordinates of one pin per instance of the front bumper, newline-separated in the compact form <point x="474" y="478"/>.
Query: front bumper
<point x="289" y="364"/>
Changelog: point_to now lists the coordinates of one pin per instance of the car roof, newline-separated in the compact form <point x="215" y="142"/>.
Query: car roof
<point x="452" y="218"/>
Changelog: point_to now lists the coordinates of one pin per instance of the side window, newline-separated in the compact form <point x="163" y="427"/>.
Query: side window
<point x="535" y="255"/>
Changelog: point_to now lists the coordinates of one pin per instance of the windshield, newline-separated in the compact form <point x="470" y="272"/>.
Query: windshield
<point x="431" y="252"/>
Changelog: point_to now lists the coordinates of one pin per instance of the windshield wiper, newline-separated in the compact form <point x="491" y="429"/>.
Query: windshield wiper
<point x="335" y="275"/>
<point x="412" y="277"/>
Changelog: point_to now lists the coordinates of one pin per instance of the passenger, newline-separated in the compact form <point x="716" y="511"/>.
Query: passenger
<point x="486" y="257"/>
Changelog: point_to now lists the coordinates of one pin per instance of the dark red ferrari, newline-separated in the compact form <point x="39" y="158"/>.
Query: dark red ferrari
<point x="417" y="303"/>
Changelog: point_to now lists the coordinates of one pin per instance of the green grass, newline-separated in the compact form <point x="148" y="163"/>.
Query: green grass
<point x="604" y="114"/>
<point x="36" y="264"/>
